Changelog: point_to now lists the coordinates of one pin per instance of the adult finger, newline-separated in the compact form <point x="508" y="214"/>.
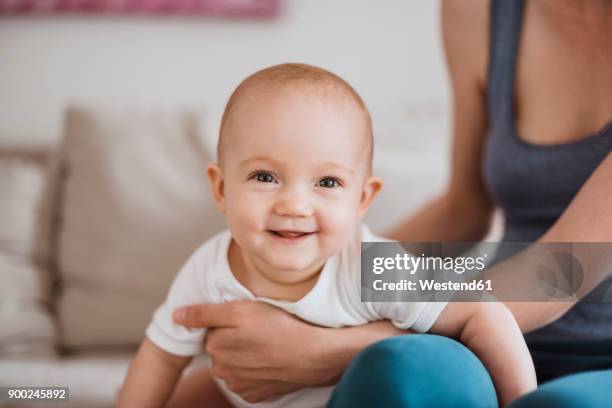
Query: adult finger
<point x="207" y="315"/>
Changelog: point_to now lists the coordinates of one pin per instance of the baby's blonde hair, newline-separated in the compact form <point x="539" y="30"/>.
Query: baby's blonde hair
<point x="286" y="74"/>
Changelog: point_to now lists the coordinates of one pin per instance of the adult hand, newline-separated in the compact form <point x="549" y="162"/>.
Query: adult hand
<point x="262" y="351"/>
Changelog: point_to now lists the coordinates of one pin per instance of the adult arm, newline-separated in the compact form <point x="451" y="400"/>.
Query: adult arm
<point x="588" y="218"/>
<point x="463" y="211"/>
<point x="262" y="351"/>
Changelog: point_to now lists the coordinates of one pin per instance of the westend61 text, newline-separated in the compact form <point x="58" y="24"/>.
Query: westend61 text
<point x="432" y="285"/>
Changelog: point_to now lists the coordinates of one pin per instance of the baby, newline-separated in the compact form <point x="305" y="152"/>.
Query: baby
<point x="294" y="180"/>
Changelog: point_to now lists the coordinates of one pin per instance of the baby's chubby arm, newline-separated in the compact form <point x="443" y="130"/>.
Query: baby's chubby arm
<point x="490" y="331"/>
<point x="151" y="377"/>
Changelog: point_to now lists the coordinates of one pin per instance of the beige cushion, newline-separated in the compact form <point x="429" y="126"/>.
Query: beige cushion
<point x="26" y="325"/>
<point x="136" y="203"/>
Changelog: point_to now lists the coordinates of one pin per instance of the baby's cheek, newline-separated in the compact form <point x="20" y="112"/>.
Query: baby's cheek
<point x="242" y="219"/>
<point x="339" y="227"/>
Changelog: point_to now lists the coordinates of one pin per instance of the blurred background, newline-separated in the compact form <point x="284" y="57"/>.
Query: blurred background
<point x="100" y="180"/>
<point x="389" y="51"/>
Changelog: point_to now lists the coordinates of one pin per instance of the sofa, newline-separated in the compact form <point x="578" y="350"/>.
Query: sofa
<point x="95" y="227"/>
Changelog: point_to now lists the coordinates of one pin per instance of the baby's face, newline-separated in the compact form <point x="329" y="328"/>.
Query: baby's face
<point x="295" y="167"/>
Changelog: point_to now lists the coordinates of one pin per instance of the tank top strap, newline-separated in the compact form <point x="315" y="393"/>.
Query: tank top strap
<point x="505" y="22"/>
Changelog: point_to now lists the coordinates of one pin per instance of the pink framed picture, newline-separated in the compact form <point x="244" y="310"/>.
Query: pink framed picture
<point x="252" y="8"/>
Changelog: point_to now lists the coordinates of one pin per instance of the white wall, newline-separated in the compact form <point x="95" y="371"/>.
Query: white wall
<point x="389" y="51"/>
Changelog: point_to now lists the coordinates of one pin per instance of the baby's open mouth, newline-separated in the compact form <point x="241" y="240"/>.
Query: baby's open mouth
<point x="291" y="234"/>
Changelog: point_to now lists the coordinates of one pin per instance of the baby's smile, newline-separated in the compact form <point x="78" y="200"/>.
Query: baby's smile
<point x="291" y="237"/>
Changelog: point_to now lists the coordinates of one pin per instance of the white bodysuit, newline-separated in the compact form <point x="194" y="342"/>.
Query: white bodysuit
<point x="334" y="301"/>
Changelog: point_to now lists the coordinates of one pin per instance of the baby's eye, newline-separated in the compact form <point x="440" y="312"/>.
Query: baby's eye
<point x="329" y="182"/>
<point x="264" y="177"/>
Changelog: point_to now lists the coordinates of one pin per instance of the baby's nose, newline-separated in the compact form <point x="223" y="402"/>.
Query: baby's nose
<point x="293" y="205"/>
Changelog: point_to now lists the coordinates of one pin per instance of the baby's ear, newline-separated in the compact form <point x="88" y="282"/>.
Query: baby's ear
<point x="371" y="188"/>
<point x="215" y="175"/>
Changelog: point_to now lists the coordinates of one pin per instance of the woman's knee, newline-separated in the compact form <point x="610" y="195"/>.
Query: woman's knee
<point x="590" y="389"/>
<point x="417" y="370"/>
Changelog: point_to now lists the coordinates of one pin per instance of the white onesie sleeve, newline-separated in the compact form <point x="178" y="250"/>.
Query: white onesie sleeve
<point x="185" y="290"/>
<point x="417" y="316"/>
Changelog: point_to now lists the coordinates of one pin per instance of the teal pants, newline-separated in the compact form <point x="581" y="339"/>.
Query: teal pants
<point x="422" y="370"/>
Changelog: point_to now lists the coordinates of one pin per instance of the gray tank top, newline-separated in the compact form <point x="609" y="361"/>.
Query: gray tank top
<point x="533" y="184"/>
